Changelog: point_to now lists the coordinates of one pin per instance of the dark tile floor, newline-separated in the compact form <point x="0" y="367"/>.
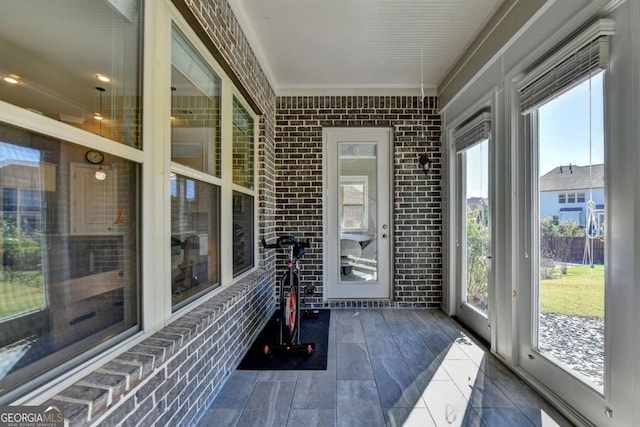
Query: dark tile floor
<point x="387" y="368"/>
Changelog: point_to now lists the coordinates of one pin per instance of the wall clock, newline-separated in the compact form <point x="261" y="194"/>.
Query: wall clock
<point x="94" y="157"/>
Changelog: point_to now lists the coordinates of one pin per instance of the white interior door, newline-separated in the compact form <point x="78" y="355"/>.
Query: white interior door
<point x="357" y="220"/>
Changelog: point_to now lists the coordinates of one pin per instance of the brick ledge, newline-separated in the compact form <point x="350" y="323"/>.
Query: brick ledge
<point x="125" y="377"/>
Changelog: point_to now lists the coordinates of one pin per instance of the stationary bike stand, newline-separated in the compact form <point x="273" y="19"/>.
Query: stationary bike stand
<point x="290" y="341"/>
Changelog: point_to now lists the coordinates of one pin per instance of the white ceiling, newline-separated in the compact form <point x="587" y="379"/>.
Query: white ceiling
<point x="360" y="46"/>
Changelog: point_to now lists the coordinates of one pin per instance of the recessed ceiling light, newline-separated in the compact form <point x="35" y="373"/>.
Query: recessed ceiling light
<point x="103" y="78"/>
<point x="13" y="79"/>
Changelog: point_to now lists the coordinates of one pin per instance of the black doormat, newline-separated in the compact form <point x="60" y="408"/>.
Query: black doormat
<point x="312" y="330"/>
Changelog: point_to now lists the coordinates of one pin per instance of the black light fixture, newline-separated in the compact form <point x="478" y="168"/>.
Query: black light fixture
<point x="98" y="116"/>
<point x="425" y="163"/>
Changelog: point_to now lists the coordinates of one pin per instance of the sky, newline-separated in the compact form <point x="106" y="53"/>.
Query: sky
<point x="564" y="127"/>
<point x="563" y="135"/>
<point x="16" y="152"/>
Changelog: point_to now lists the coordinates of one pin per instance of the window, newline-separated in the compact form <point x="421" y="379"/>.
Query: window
<point x="243" y="219"/>
<point x="243" y="146"/>
<point x="195" y="237"/>
<point x="62" y="292"/>
<point x="564" y="106"/>
<point x="195" y="108"/>
<point x="195" y="149"/>
<point x="244" y="193"/>
<point x="70" y="241"/>
<point x="569" y="250"/>
<point x="353" y="200"/>
<point x="473" y="207"/>
<point x="87" y="76"/>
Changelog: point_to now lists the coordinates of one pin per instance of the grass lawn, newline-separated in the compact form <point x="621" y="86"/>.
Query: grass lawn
<point x="20" y="291"/>
<point x="579" y="293"/>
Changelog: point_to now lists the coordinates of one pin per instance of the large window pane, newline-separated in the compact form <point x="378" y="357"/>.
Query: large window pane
<point x="477" y="223"/>
<point x="243" y="146"/>
<point x="70" y="245"/>
<point x="195" y="238"/>
<point x="56" y="73"/>
<point x="243" y="236"/>
<point x="572" y="236"/>
<point x="195" y="108"/>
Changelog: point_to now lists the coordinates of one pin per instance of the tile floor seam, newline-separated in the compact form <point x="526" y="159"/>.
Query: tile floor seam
<point x="410" y="327"/>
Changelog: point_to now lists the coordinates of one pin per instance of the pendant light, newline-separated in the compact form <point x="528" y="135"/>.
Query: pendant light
<point x="100" y="174"/>
<point x="98" y="116"/>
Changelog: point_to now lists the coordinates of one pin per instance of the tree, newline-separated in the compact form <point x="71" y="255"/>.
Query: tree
<point x="20" y="250"/>
<point x="477" y="251"/>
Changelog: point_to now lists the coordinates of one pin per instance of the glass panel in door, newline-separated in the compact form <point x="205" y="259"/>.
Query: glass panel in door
<point x="357" y="212"/>
<point x="476" y="226"/>
<point x="569" y="280"/>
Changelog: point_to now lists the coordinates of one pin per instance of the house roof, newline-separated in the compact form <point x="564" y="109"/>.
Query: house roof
<point x="572" y="177"/>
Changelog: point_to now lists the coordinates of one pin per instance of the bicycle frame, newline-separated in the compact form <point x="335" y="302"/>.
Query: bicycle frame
<point x="290" y="304"/>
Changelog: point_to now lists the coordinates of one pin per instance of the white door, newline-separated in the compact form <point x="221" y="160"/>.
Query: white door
<point x="564" y="279"/>
<point x="357" y="212"/>
<point x="473" y="238"/>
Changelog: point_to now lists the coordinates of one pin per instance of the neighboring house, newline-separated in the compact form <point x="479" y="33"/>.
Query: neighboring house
<point x="474" y="202"/>
<point x="565" y="191"/>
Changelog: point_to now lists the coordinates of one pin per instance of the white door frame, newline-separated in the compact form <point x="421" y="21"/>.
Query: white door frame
<point x="385" y="216"/>
<point x="471" y="316"/>
<point x="454" y="304"/>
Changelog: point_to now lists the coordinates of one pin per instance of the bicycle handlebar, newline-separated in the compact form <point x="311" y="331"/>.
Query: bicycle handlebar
<point x="284" y="241"/>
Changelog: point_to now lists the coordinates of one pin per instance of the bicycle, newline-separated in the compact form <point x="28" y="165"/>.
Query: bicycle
<point x="289" y="286"/>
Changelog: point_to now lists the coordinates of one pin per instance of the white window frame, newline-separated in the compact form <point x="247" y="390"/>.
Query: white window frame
<point x="460" y="137"/>
<point x="225" y="181"/>
<point x="358" y="180"/>
<point x="538" y="369"/>
<point x="156" y="166"/>
<point x="33" y="122"/>
<point x="253" y="192"/>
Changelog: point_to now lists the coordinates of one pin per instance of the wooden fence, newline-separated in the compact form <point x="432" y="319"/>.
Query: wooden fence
<point x="576" y="248"/>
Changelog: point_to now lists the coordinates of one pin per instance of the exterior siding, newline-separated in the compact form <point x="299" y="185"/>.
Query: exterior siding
<point x="550" y="207"/>
<point x="417" y="200"/>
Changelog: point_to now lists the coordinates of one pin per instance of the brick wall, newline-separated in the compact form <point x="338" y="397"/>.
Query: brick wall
<point x="417" y="200"/>
<point x="171" y="377"/>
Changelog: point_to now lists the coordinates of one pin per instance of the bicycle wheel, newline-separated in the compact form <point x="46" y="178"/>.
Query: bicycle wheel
<point x="289" y="306"/>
